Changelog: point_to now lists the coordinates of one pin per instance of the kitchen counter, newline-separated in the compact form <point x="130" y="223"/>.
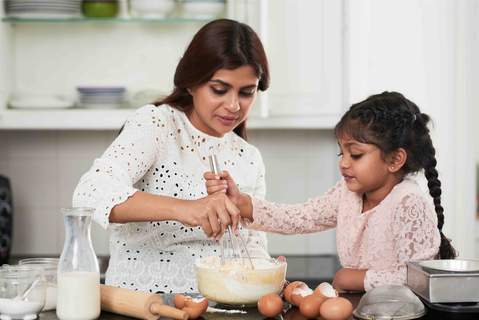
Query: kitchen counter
<point x="291" y="314"/>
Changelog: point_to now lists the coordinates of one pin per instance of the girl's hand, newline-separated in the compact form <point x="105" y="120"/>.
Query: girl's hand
<point x="213" y="213"/>
<point x="222" y="182"/>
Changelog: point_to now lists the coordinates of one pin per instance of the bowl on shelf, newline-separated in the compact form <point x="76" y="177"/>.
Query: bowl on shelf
<point x="100" y="8"/>
<point x="152" y="8"/>
<point x="202" y="9"/>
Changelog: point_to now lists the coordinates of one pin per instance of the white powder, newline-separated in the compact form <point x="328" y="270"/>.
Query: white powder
<point x="19" y="309"/>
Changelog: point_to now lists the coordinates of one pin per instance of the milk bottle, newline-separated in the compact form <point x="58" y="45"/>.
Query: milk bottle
<point x="78" y="271"/>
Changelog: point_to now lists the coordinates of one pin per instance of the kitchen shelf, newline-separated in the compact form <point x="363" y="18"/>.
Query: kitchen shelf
<point x="88" y="119"/>
<point x="168" y="20"/>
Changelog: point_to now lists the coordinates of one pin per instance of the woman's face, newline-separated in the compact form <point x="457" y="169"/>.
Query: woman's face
<point x="223" y="102"/>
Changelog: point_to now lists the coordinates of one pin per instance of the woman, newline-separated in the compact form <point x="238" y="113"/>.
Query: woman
<point x="148" y="186"/>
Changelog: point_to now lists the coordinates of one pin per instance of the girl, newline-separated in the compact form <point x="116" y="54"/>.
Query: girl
<point x="148" y="186"/>
<point x="382" y="217"/>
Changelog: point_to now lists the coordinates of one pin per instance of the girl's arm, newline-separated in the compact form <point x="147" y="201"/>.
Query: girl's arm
<point x="347" y="279"/>
<point x="416" y="237"/>
<point x="316" y="214"/>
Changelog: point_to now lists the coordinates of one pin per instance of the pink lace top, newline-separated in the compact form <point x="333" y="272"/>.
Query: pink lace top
<point x="402" y="228"/>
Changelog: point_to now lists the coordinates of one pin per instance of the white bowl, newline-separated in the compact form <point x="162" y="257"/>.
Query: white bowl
<point x="152" y="8"/>
<point x="202" y="9"/>
<point x="238" y="284"/>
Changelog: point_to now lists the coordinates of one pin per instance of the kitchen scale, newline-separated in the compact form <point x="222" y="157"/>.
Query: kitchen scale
<point x="446" y="285"/>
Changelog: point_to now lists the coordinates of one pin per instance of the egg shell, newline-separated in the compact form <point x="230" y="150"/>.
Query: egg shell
<point x="311" y="304"/>
<point x="325" y="289"/>
<point x="195" y="307"/>
<point x="270" y="305"/>
<point x="336" y="309"/>
<point x="179" y="300"/>
<point x="299" y="293"/>
<point x="289" y="288"/>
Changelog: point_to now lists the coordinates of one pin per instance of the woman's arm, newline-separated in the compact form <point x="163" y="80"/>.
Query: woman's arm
<point x="211" y="212"/>
<point x="108" y="186"/>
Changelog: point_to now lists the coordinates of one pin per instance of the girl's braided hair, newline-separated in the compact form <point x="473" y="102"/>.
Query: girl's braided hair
<point x="390" y="121"/>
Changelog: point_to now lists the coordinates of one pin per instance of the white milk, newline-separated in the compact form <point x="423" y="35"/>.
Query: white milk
<point x="78" y="296"/>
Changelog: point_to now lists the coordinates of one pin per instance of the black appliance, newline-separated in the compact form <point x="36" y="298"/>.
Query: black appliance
<point x="6" y="219"/>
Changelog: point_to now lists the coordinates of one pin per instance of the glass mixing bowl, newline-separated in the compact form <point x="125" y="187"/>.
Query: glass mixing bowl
<point x="235" y="283"/>
<point x="22" y="292"/>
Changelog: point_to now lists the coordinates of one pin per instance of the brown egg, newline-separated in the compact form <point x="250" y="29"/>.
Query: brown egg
<point x="194" y="307"/>
<point x="310" y="305"/>
<point x="336" y="309"/>
<point x="289" y="288"/>
<point x="270" y="305"/>
<point x="294" y="314"/>
<point x="179" y="300"/>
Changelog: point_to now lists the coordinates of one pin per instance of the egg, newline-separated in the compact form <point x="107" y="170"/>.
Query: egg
<point x="336" y="309"/>
<point x="194" y="307"/>
<point x="270" y="305"/>
<point x="310" y="305"/>
<point x="179" y="301"/>
<point x="294" y="314"/>
<point x="289" y="288"/>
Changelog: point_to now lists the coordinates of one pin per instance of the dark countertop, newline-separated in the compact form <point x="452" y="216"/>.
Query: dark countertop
<point x="310" y="269"/>
<point x="290" y="314"/>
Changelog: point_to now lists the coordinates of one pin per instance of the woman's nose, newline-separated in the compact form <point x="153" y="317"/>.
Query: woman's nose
<point x="233" y="104"/>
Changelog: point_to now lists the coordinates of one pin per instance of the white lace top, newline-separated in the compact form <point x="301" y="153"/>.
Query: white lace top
<point x="159" y="151"/>
<point x="402" y="228"/>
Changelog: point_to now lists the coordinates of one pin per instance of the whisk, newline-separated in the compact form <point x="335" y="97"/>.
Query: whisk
<point x="232" y="245"/>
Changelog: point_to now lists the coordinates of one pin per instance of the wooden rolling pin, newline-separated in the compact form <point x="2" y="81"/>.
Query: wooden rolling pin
<point x="137" y="304"/>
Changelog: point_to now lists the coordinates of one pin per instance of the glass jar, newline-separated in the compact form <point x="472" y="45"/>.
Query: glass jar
<point x="22" y="292"/>
<point x="49" y="267"/>
<point x="78" y="271"/>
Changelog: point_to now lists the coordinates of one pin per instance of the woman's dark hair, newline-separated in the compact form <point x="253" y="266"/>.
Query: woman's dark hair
<point x="390" y="121"/>
<point x="220" y="44"/>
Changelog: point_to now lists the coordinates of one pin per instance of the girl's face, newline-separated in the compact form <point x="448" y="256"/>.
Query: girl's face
<point x="363" y="167"/>
<point x="223" y="102"/>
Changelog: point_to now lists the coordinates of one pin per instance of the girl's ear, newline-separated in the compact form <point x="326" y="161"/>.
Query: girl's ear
<point x="396" y="160"/>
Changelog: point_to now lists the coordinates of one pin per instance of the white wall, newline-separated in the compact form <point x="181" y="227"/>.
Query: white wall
<point x="45" y="166"/>
<point x="423" y="49"/>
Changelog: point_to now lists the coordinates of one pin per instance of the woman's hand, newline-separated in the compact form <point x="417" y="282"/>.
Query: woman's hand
<point x="347" y="279"/>
<point x="213" y="213"/>
<point x="222" y="182"/>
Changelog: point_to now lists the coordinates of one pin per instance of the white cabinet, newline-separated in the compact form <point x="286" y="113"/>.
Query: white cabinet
<point x="303" y="42"/>
<point x="305" y="46"/>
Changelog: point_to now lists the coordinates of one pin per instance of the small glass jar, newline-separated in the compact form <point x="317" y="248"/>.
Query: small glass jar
<point x="22" y="292"/>
<point x="49" y="267"/>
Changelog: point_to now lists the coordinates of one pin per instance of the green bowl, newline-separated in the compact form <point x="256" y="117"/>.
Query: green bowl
<point x="100" y="9"/>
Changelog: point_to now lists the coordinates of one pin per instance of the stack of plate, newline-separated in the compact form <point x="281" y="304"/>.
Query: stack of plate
<point x="43" y="8"/>
<point x="101" y="97"/>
